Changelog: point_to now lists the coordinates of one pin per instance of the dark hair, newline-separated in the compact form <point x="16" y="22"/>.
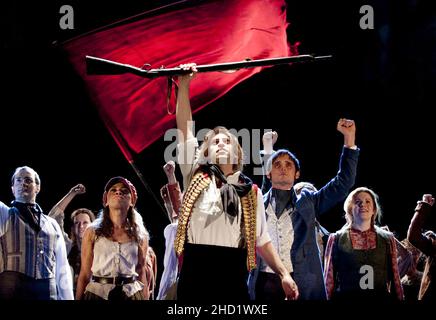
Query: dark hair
<point x="134" y="225"/>
<point x="279" y="153"/>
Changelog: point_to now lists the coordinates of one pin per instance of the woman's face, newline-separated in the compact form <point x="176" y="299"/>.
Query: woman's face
<point x="81" y="222"/>
<point x="118" y="197"/>
<point x="363" y="207"/>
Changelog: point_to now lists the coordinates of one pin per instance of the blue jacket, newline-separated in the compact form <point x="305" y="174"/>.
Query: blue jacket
<point x="308" y="273"/>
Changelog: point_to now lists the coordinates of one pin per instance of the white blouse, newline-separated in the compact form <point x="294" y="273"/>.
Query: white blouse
<point x="114" y="259"/>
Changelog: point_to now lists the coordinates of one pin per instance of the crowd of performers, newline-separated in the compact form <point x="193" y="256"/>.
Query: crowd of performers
<point x="228" y="239"/>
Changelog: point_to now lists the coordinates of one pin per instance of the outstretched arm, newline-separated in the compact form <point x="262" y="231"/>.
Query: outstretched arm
<point x="183" y="107"/>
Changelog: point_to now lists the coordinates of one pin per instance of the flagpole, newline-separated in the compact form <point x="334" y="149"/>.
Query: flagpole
<point x="147" y="187"/>
<point x="99" y="66"/>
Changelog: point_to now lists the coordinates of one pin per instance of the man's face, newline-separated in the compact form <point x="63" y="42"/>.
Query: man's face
<point x="220" y="149"/>
<point x="283" y="173"/>
<point x="81" y="221"/>
<point x="25" y="188"/>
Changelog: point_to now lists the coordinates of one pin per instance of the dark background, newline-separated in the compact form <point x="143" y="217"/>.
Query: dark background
<point x="384" y="79"/>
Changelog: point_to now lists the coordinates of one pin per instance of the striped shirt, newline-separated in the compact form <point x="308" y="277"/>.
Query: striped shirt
<point x="37" y="254"/>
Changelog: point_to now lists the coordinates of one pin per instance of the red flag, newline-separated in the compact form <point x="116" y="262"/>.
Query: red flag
<point x="133" y="108"/>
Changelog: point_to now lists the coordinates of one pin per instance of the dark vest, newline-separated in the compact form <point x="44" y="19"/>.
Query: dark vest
<point x="350" y="278"/>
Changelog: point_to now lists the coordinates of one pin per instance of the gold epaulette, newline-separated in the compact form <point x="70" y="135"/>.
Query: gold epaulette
<point x="249" y="213"/>
<point x="199" y="182"/>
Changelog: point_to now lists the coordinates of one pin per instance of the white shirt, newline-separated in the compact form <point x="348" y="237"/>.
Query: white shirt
<point x="209" y="224"/>
<point x="169" y="275"/>
<point x="114" y="259"/>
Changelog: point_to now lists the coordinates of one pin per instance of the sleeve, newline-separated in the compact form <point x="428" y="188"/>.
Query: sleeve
<point x="266" y="183"/>
<point x="404" y="258"/>
<point x="262" y="234"/>
<point x="64" y="281"/>
<point x="175" y="195"/>
<point x="187" y="159"/>
<point x="395" y="273"/>
<point x="4" y="215"/>
<point x="169" y="274"/>
<point x="329" y="278"/>
<point x="151" y="270"/>
<point x="165" y="195"/>
<point x="338" y="188"/>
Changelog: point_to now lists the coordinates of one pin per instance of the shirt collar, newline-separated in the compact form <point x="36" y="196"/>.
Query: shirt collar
<point x="233" y="178"/>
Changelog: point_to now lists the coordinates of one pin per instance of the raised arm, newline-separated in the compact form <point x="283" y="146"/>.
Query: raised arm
<point x="183" y="108"/>
<point x="269" y="139"/>
<point x="171" y="193"/>
<point x="65" y="201"/>
<point x="169" y="168"/>
<point x="348" y="129"/>
<point x="338" y="188"/>
<point x="414" y="234"/>
<point x="58" y="211"/>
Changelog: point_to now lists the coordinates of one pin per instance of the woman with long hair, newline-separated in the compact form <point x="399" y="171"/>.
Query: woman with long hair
<point x="114" y="249"/>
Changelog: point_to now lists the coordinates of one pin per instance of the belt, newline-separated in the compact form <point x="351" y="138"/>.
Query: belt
<point x="118" y="281"/>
